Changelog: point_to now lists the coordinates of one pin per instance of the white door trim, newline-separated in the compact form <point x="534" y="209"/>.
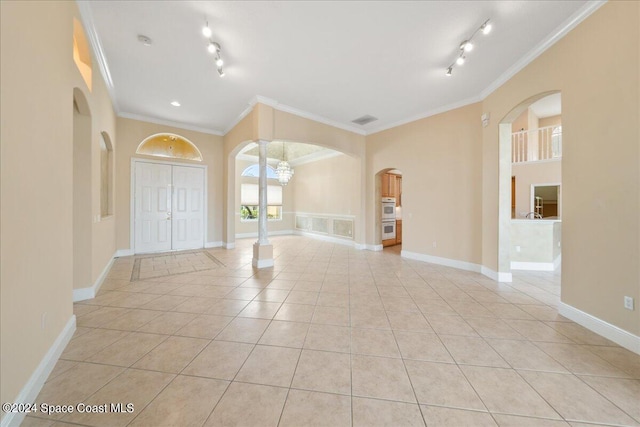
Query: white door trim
<point x="134" y="161"/>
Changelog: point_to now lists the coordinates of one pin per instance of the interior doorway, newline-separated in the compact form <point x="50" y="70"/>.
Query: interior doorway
<point x="389" y="210"/>
<point x="529" y="206"/>
<point x="169" y="206"/>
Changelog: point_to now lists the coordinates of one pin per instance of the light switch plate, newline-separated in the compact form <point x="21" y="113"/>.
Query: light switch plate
<point x="628" y="303"/>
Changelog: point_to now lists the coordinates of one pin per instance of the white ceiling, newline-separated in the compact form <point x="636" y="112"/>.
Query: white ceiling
<point x="333" y="60"/>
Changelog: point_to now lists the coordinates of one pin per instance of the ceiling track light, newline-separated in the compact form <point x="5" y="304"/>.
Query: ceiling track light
<point x="214" y="48"/>
<point x="467" y="46"/>
<point x="206" y="31"/>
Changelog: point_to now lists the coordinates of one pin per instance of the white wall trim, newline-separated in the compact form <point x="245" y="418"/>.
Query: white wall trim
<point x="307" y="115"/>
<point x="557" y="262"/>
<point x="562" y="30"/>
<point x="252" y="103"/>
<point x="229" y="245"/>
<point x="87" y="21"/>
<point x="32" y="388"/>
<point x="424" y="115"/>
<point x="497" y="276"/>
<point x="270" y="233"/>
<point x="82" y="294"/>
<point x="626" y="339"/>
<point x="324" y="238"/>
<point x="375" y="248"/>
<point x="171" y="123"/>
<point x="124" y="252"/>
<point x="462" y="265"/>
<point x="209" y="245"/>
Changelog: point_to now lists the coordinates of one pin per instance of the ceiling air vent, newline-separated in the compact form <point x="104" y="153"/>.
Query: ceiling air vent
<point x="364" y="120"/>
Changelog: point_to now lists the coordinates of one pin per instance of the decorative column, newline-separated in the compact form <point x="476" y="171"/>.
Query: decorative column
<point x="262" y="249"/>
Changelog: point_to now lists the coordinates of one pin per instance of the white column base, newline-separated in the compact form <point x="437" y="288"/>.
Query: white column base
<point x="262" y="256"/>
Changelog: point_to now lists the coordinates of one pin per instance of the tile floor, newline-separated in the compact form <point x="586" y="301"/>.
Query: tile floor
<point x="335" y="337"/>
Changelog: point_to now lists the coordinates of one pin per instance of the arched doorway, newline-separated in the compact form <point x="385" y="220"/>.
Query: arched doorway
<point x="388" y="215"/>
<point x="529" y="180"/>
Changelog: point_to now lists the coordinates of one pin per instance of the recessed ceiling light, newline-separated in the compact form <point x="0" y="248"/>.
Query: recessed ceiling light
<point x="175" y="103"/>
<point x="144" y="40"/>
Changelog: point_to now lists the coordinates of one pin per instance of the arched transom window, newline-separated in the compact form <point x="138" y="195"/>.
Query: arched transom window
<point x="169" y="145"/>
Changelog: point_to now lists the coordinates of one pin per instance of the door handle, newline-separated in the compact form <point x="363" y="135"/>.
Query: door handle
<point x="168" y="216"/>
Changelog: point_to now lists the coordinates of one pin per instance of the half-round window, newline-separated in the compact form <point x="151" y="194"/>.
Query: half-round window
<point x="254" y="171"/>
<point x="169" y="145"/>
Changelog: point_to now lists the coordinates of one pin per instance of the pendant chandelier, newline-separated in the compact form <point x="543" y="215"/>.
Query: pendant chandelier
<point x="284" y="170"/>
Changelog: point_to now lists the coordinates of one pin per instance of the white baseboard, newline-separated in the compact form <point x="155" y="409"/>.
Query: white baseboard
<point x="270" y="233"/>
<point x="360" y="246"/>
<point x="499" y="276"/>
<point x="611" y="332"/>
<point x="32" y="388"/>
<point x="229" y="245"/>
<point x="213" y="245"/>
<point x="124" y="252"/>
<point x="325" y="238"/>
<point x="82" y="294"/>
<point x="462" y="265"/>
<point x="374" y="248"/>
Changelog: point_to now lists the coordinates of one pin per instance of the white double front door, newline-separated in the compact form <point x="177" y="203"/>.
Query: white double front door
<point x="168" y="207"/>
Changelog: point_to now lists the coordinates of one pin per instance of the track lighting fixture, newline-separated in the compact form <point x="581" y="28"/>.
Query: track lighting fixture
<point x="213" y="48"/>
<point x="486" y="28"/>
<point x="206" y="31"/>
<point x="467" y="46"/>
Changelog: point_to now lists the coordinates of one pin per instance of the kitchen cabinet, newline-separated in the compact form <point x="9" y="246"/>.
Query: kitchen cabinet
<point x="398" y="232"/>
<point x="391" y="186"/>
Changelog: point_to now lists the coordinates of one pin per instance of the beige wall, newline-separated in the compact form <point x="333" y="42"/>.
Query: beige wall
<point x="38" y="81"/>
<point x="328" y="187"/>
<point x="600" y="87"/>
<point x="441" y="165"/>
<point x="548" y="172"/>
<point x="130" y="134"/>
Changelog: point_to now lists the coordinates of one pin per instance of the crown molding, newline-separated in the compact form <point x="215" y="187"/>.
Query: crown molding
<point x="178" y="125"/>
<point x="89" y="27"/>
<point x="561" y="31"/>
<point x="426" y="114"/>
<point x="569" y="24"/>
<point x="252" y="103"/>
<point x="308" y="115"/>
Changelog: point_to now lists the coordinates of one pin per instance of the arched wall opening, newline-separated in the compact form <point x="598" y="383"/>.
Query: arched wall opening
<point x="388" y="184"/>
<point x="506" y="183"/>
<point x="82" y="213"/>
<point x="324" y="192"/>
